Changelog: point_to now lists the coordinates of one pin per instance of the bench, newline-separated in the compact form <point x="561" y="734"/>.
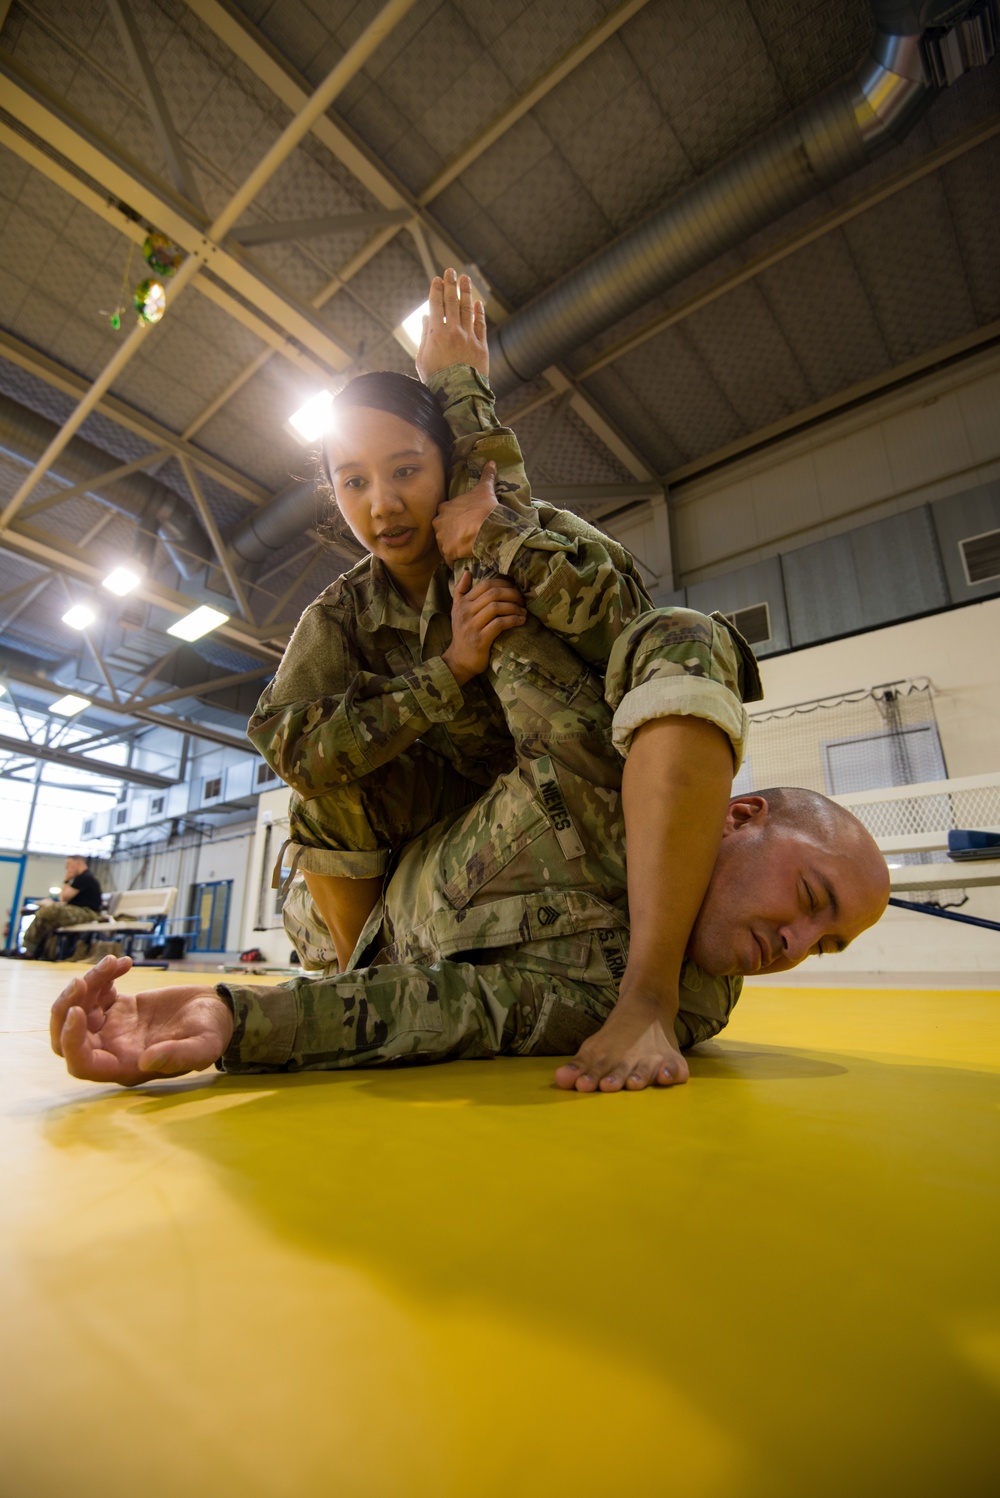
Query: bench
<point x="132" y="914"/>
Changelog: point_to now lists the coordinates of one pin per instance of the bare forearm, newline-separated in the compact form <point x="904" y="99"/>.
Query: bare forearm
<point x="675" y="790"/>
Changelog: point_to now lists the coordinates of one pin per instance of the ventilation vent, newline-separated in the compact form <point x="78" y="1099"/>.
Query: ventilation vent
<point x="213" y="789"/>
<point x="981" y="557"/>
<point x="754" y="623"/>
<point x="120" y="815"/>
<point x="265" y="773"/>
<point x="88" y="827"/>
<point x="156" y="806"/>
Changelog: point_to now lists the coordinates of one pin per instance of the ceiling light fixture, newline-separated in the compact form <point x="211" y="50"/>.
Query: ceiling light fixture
<point x="411" y="329"/>
<point x="199" y="622"/>
<point x="79" y="616"/>
<point x="313" y="419"/>
<point x="70" y="704"/>
<point x="121" y="581"/>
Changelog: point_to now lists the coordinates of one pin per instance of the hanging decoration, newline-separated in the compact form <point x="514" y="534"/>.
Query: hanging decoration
<point x="150" y="301"/>
<point x="162" y="256"/>
<point x="149" y="298"/>
<point x="115" y="317"/>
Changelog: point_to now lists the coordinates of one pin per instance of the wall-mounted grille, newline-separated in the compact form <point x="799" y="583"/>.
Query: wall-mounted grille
<point x="156" y="806"/>
<point x="88" y="826"/>
<point x="265" y="773"/>
<point x="981" y="557"/>
<point x="213" y="789"/>
<point x="753" y="623"/>
<point x="120" y="815"/>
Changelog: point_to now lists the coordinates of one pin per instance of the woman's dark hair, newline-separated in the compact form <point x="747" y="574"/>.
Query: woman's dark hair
<point x="400" y="395"/>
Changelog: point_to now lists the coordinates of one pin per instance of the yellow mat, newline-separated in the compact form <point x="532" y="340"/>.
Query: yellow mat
<point x="455" y="1281"/>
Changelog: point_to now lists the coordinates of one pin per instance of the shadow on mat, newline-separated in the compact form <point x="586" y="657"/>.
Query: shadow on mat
<point x="711" y="1062"/>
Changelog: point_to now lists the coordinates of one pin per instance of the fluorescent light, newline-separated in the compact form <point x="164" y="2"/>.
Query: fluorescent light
<point x="79" y="616"/>
<point x="197" y="623"/>
<point x="312" y="420"/>
<point x="55" y="889"/>
<point x="122" y="581"/>
<point x="70" y="704"/>
<point x="410" y="330"/>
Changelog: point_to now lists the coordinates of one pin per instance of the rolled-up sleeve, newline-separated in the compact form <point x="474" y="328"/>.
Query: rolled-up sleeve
<point x="678" y="663"/>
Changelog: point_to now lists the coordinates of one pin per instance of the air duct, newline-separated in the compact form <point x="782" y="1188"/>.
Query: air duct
<point x="292" y="512"/>
<point x="916" y="46"/>
<point x="27" y="435"/>
<point x="835" y="134"/>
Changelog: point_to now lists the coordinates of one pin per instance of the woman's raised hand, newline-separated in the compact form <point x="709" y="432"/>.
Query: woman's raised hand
<point x="479" y="613"/>
<point x="454" y="329"/>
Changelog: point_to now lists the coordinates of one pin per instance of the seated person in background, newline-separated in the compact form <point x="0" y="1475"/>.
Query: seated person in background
<point x="514" y="926"/>
<point x="79" y="901"/>
<point x="380" y="717"/>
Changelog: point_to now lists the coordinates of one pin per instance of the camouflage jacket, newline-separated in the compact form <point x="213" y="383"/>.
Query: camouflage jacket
<point x="362" y="677"/>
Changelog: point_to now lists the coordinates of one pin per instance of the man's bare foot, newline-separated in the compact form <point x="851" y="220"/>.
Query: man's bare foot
<point x="634" y="1048"/>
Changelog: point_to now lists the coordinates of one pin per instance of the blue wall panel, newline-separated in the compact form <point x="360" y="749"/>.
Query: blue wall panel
<point x="865" y="578"/>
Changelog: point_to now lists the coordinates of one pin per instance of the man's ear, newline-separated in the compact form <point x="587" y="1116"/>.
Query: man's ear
<point x="745" y="811"/>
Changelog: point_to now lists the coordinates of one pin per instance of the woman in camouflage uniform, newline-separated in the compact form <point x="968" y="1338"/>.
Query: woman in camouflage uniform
<point x="379" y="717"/>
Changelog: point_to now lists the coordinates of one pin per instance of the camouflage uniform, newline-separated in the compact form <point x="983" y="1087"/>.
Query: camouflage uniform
<point x="365" y="721"/>
<point x="505" y="928"/>
<point x="40" y="935"/>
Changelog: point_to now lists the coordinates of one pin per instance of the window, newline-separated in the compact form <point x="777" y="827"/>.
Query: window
<point x="753" y="623"/>
<point x="213" y="788"/>
<point x="120" y="815"/>
<point x="156" y="806"/>
<point x="265" y="773"/>
<point x="981" y="557"/>
<point x="868" y="762"/>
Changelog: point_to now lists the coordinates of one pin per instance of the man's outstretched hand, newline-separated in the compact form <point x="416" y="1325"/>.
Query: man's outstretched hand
<point x="635" y="1048"/>
<point x="107" y="1036"/>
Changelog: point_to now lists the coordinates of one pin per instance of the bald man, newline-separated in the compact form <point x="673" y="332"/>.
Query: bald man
<point x="516" y="925"/>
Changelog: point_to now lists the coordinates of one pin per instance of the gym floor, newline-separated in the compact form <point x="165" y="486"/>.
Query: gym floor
<point x="456" y="1281"/>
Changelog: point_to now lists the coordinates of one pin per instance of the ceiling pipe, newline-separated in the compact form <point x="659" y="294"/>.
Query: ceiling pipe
<point x="835" y="134"/>
<point x="826" y="140"/>
<point x="27" y="435"/>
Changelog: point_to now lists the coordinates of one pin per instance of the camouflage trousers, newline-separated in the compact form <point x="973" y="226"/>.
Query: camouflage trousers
<point x="49" y="920"/>
<point x="504" y="927"/>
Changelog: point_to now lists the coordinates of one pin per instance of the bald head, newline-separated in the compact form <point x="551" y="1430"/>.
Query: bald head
<point x="797" y="875"/>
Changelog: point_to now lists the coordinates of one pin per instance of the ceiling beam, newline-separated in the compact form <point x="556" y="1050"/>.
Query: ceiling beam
<point x="202" y="689"/>
<point x="29" y="99"/>
<point x="156" y="105"/>
<point x="571" y="494"/>
<point x="552" y="76"/>
<point x="957" y="351"/>
<point x="70" y="383"/>
<point x="84" y="762"/>
<point x="62" y="556"/>
<point x="91" y="485"/>
<point x="30" y="106"/>
<point x="264" y="60"/>
<point x="205" y="731"/>
<point x="312" y="228"/>
<point x="219" y="546"/>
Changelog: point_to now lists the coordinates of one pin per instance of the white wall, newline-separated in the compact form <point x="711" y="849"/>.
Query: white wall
<point x="960" y="652"/>
<point x="261" y="927"/>
<point x="938" y="436"/>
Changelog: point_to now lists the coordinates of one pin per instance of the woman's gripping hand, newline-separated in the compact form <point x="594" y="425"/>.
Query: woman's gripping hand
<point x="480" y="612"/>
